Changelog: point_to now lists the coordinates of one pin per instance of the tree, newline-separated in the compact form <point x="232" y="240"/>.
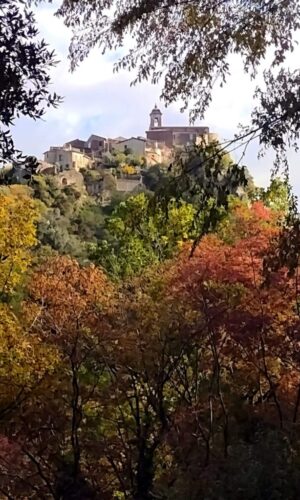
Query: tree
<point x="140" y="235"/>
<point x="207" y="372"/>
<point x="128" y="170"/>
<point x="244" y="220"/>
<point x="164" y="385"/>
<point x="277" y="195"/>
<point x="68" y="218"/>
<point x="155" y="177"/>
<point x="90" y="221"/>
<point x="25" y="360"/>
<point x="24" y="65"/>
<point x="25" y="363"/>
<point x="207" y="177"/>
<point x="18" y="219"/>
<point x="153" y="339"/>
<point x="186" y="45"/>
<point x="247" y="390"/>
<point x="65" y="307"/>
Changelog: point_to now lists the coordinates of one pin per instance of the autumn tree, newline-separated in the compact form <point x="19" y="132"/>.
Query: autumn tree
<point x="128" y="170"/>
<point x="18" y="218"/>
<point x="96" y="424"/>
<point x="205" y="368"/>
<point x="248" y="387"/>
<point x="159" y="386"/>
<point x="139" y="405"/>
<point x="67" y="308"/>
<point x="25" y="360"/>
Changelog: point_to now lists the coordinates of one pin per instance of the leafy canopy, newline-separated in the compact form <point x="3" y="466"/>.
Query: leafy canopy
<point x="160" y="385"/>
<point x="139" y="235"/>
<point x="25" y="61"/>
<point x="18" y="218"/>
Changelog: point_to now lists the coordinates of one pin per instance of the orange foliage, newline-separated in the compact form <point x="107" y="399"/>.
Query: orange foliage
<point x="164" y="377"/>
<point x="69" y="306"/>
<point x="67" y="300"/>
<point x="252" y="325"/>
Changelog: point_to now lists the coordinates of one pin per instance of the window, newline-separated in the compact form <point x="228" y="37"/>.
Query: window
<point x="59" y="157"/>
<point x="73" y="164"/>
<point x="67" y="166"/>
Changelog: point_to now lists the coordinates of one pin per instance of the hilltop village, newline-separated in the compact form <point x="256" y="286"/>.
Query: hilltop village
<point x="103" y="165"/>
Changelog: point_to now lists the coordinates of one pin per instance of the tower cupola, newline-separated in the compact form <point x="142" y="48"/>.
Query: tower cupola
<point x="155" y="118"/>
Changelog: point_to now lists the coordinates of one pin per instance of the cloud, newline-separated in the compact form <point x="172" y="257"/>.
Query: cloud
<point x="98" y="101"/>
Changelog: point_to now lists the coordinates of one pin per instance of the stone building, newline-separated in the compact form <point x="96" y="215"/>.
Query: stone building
<point x="172" y="136"/>
<point x="157" y="153"/>
<point x="136" y="145"/>
<point x="68" y="158"/>
<point x="77" y="144"/>
<point x="97" y="144"/>
<point x="94" y="145"/>
<point x="127" y="185"/>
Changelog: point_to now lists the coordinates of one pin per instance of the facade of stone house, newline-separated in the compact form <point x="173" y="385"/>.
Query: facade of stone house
<point x="127" y="185"/>
<point x="77" y="144"/>
<point x="67" y="159"/>
<point x="97" y="144"/>
<point x="172" y="136"/>
<point x="136" y="145"/>
<point x="157" y="153"/>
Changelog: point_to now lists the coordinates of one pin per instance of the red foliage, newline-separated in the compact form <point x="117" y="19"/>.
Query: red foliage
<point x="253" y="325"/>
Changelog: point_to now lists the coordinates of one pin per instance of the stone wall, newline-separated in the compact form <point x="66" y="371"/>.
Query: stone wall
<point x="71" y="177"/>
<point x="127" y="185"/>
<point x="172" y="136"/>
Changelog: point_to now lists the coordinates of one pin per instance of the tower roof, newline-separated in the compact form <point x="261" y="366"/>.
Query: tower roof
<point x="156" y="111"/>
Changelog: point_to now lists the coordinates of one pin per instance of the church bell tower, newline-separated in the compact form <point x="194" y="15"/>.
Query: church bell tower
<point x="155" y="118"/>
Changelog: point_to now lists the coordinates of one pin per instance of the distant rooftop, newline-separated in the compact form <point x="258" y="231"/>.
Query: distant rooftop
<point x="135" y="138"/>
<point x="119" y="139"/>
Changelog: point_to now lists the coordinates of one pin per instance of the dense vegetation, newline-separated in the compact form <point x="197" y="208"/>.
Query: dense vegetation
<point x="149" y="349"/>
<point x="154" y="373"/>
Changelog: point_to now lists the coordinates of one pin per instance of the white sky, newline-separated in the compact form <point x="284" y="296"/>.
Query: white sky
<point x="100" y="102"/>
